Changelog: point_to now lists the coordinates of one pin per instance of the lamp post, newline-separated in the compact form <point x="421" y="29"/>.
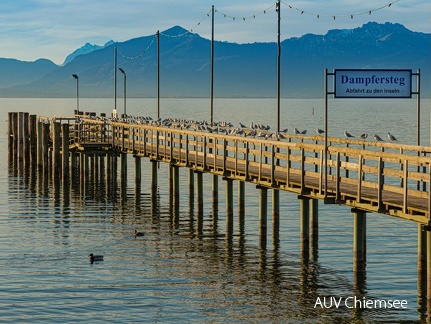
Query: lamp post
<point x="77" y="92"/>
<point x="124" y="73"/>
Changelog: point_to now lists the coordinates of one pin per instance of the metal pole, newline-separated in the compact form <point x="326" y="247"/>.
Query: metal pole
<point x="418" y="104"/>
<point x="278" y="66"/>
<point x="212" y="67"/>
<point x="158" y="74"/>
<point x="115" y="78"/>
<point x="77" y="95"/>
<point x="325" y="86"/>
<point x="125" y="94"/>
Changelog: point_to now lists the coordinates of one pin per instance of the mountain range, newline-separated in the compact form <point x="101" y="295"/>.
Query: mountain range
<point x="240" y="70"/>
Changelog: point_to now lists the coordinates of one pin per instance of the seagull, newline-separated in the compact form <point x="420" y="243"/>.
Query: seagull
<point x="94" y="258"/>
<point x="377" y="138"/>
<point x="284" y="130"/>
<point x="296" y="131"/>
<point x="304" y="132"/>
<point x="320" y="131"/>
<point x="391" y="137"/>
<point x="242" y="125"/>
<point x="348" y="134"/>
<point x="363" y="136"/>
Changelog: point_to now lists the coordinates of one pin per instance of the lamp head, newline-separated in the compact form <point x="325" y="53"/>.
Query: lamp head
<point x="75" y="76"/>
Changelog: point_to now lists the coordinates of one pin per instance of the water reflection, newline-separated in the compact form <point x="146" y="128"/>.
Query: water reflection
<point x="209" y="262"/>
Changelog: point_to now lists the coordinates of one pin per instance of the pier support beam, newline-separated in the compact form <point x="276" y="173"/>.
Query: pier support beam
<point x="241" y="206"/>
<point x="153" y="176"/>
<point x="56" y="144"/>
<point x="422" y="250"/>
<point x="275" y="218"/>
<point x="263" y="216"/>
<point x="359" y="237"/>
<point x="304" y="227"/>
<point x="314" y="228"/>
<point x="428" y="275"/>
<point x="215" y="192"/>
<point x="65" y="153"/>
<point x="138" y="170"/>
<point x="200" y="193"/>
<point x="229" y="207"/>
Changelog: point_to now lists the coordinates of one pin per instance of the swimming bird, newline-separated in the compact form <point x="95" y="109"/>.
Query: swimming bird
<point x="377" y="138"/>
<point x="363" y="136"/>
<point x="320" y="131"/>
<point x="95" y="258"/>
<point x="136" y="233"/>
<point x="348" y="134"/>
<point x="391" y="137"/>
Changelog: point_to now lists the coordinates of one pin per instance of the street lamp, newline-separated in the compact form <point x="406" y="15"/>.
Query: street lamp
<point x="77" y="92"/>
<point x="124" y="73"/>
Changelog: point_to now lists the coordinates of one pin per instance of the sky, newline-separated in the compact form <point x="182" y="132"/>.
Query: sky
<point x="52" y="29"/>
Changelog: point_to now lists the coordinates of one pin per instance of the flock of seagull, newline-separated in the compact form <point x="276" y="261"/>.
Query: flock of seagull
<point x="223" y="127"/>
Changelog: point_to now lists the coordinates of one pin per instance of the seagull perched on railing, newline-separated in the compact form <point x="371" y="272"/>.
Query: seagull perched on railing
<point x="377" y="138"/>
<point x="392" y="137"/>
<point x="363" y="136"/>
<point x="320" y="131"/>
<point x="348" y="134"/>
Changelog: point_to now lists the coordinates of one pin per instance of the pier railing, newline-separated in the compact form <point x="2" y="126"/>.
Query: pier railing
<point x="380" y="177"/>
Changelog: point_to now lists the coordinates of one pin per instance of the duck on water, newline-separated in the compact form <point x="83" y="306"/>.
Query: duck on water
<point x="95" y="258"/>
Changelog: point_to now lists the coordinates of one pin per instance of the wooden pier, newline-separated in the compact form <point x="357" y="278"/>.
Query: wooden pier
<point x="378" y="177"/>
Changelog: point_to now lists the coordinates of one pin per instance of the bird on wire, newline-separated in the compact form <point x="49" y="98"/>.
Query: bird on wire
<point x="391" y="137"/>
<point x="377" y="138"/>
<point x="348" y="134"/>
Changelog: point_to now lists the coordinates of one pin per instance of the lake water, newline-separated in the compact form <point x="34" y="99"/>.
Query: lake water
<point x="176" y="273"/>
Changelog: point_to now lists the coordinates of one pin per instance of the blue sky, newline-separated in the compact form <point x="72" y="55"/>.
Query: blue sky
<point x="32" y="29"/>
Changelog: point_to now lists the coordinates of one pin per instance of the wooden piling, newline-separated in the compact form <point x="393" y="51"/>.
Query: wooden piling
<point x="20" y="138"/>
<point x="56" y="145"/>
<point x="304" y="227"/>
<point x="33" y="139"/>
<point x="241" y="207"/>
<point x="153" y="176"/>
<point x="10" y="136"/>
<point x="39" y="134"/>
<point x="422" y="249"/>
<point x="65" y="152"/>
<point x="176" y="184"/>
<point x="314" y="228"/>
<point x="359" y="237"/>
<point x="200" y="192"/>
<point x="263" y="216"/>
<point x="138" y="172"/>
<point x="191" y="184"/>
<point x="215" y="191"/>
<point x="26" y="140"/>
<point x="275" y="217"/>
<point x="45" y="148"/>
<point x="229" y="207"/>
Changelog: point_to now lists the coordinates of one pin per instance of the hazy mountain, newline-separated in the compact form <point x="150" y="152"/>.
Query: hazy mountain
<point x="87" y="48"/>
<point x="240" y="70"/>
<point x="15" y="72"/>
